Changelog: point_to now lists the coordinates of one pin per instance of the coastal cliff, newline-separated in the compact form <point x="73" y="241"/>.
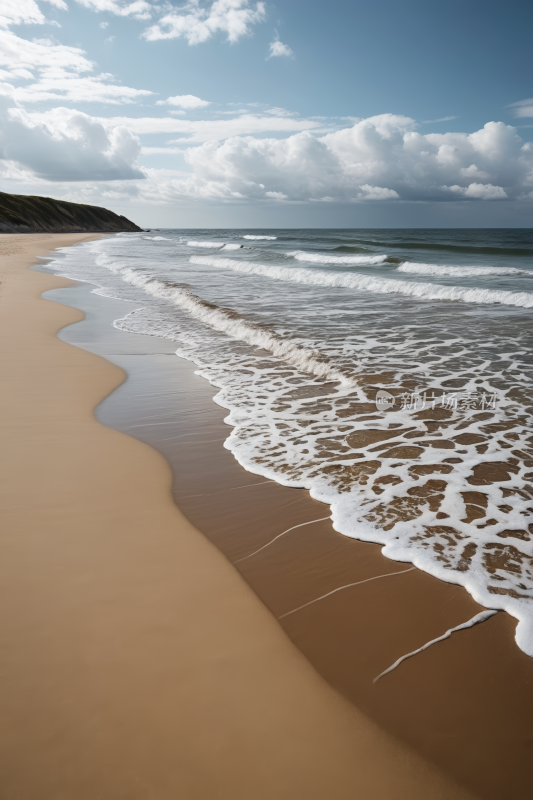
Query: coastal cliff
<point x="26" y="214"/>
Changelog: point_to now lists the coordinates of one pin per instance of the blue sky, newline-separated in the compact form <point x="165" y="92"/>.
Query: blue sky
<point x="295" y="114"/>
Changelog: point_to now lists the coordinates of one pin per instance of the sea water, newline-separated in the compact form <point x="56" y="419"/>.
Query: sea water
<point x="300" y="330"/>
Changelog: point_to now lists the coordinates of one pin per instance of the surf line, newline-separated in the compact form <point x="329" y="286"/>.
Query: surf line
<point x="470" y="624"/>
<point x="301" y="525"/>
<point x="340" y="588"/>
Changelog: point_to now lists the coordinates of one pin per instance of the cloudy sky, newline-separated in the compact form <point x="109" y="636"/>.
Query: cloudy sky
<point x="236" y="113"/>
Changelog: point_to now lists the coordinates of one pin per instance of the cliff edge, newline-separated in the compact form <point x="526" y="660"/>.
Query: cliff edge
<point x="26" y="214"/>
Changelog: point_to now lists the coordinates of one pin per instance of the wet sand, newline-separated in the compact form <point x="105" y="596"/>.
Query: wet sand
<point x="135" y="661"/>
<point x="465" y="704"/>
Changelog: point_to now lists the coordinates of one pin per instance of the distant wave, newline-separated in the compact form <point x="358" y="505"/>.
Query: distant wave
<point x="459" y="272"/>
<point x="157" y="238"/>
<point x="212" y="245"/>
<point x="451" y="248"/>
<point x="425" y="291"/>
<point x="317" y="258"/>
<point x="249" y="236"/>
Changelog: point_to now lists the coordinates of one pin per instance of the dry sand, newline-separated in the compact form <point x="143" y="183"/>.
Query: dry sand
<point x="135" y="662"/>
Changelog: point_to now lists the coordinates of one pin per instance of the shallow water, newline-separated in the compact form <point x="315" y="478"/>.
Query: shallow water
<point x="299" y="332"/>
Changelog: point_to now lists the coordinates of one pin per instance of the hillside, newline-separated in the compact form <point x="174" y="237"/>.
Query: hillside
<point x="22" y="214"/>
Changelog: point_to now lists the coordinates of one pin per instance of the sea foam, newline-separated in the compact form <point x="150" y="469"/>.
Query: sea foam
<point x="210" y="245"/>
<point x="220" y="319"/>
<point x="317" y="258"/>
<point x="459" y="272"/>
<point x="249" y="236"/>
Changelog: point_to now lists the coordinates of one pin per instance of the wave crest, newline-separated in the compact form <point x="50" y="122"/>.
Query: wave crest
<point x="459" y="272"/>
<point x="369" y="283"/>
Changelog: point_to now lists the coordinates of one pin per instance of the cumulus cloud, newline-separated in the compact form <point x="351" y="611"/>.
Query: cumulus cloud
<point x="66" y="145"/>
<point x="480" y="191"/>
<point x="187" y="101"/>
<point x="383" y="158"/>
<point x="197" y="23"/>
<point x="379" y="159"/>
<point x="524" y="108"/>
<point x="277" y="48"/>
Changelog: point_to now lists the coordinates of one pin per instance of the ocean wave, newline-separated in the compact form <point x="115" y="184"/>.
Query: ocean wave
<point x="317" y="258"/>
<point x="233" y="247"/>
<point x="409" y="244"/>
<point x="157" y="238"/>
<point x="230" y="322"/>
<point x="459" y="272"/>
<point x="212" y="245"/>
<point x="249" y="236"/>
<point x="368" y="283"/>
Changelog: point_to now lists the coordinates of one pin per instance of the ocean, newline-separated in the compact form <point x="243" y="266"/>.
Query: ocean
<point x="389" y="372"/>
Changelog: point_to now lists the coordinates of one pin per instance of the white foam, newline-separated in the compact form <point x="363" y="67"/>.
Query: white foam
<point x="248" y="236"/>
<point x="157" y="238"/>
<point x="481" y="617"/>
<point x="212" y="245"/>
<point x="303" y="358"/>
<point x="317" y="258"/>
<point x="369" y="283"/>
<point x="459" y="272"/>
<point x="232" y="246"/>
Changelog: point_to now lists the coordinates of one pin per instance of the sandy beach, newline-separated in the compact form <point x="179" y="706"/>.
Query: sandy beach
<point x="135" y="660"/>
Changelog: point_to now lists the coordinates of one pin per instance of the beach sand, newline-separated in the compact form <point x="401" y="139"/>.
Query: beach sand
<point x="135" y="660"/>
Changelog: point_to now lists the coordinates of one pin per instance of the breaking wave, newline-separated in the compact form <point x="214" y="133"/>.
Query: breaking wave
<point x="211" y="245"/>
<point x="368" y="283"/>
<point x="249" y="236"/>
<point x="459" y="272"/>
<point x="230" y="322"/>
<point x="317" y="258"/>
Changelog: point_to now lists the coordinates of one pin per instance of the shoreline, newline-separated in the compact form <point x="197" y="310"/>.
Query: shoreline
<point x="135" y="659"/>
<point x="460" y="704"/>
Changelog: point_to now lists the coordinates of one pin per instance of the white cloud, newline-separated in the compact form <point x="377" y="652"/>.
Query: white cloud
<point x="277" y="48"/>
<point x="44" y="54"/>
<point x="524" y="108"/>
<point x="139" y="9"/>
<point x="440" y="119"/>
<point x="377" y="193"/>
<point x="18" y="12"/>
<point x="61" y="73"/>
<point x="382" y="158"/>
<point x="66" y="145"/>
<point x="197" y="23"/>
<point x="473" y="172"/>
<point x="212" y="129"/>
<point x="104" y="25"/>
<point x="188" y="101"/>
<point x="480" y="191"/>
